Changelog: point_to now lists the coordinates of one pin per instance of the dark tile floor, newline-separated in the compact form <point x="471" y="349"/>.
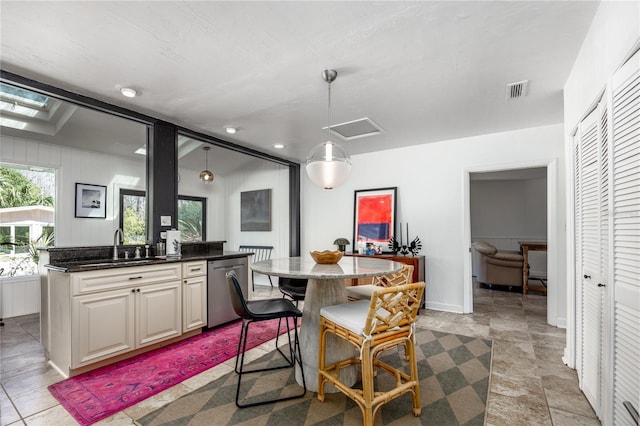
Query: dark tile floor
<point x="529" y="382"/>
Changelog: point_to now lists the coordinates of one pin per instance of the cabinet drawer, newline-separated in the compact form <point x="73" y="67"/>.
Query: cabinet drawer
<point x="108" y="279"/>
<point x="194" y="269"/>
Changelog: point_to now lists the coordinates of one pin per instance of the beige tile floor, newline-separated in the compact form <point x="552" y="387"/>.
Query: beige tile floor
<point x="529" y="383"/>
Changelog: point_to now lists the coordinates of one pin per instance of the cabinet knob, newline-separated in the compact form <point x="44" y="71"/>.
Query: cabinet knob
<point x="133" y="290"/>
<point x="586" y="277"/>
<point x="601" y="285"/>
<point x="138" y="290"/>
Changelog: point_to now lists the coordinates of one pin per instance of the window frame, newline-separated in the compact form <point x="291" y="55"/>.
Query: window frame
<point x="203" y="203"/>
<point x="139" y="193"/>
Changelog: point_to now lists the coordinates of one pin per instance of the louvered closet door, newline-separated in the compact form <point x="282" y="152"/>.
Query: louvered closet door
<point x="625" y="262"/>
<point x="588" y="237"/>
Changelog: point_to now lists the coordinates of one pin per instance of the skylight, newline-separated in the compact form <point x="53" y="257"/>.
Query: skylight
<point x="23" y="109"/>
<point x="22" y="96"/>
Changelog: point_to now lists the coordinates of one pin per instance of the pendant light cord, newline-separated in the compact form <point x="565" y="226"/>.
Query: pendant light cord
<point x="329" y="113"/>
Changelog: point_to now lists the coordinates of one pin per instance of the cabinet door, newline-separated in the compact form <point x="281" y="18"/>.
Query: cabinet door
<point x="102" y="326"/>
<point x="194" y="303"/>
<point x="159" y="312"/>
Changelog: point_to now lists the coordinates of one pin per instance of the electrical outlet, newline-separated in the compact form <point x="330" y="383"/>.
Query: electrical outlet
<point x="163" y="235"/>
<point x="165" y="220"/>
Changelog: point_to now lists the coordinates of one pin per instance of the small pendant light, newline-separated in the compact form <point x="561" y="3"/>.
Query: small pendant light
<point x="206" y="175"/>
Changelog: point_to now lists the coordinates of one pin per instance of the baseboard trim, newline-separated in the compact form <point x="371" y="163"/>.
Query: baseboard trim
<point x="446" y="307"/>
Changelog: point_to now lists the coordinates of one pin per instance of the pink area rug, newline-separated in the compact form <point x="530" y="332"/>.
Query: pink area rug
<point x="100" y="393"/>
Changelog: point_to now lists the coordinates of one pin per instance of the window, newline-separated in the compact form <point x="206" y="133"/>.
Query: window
<point x="26" y="214"/>
<point x="192" y="213"/>
<point x="133" y="216"/>
<point x="22" y="239"/>
<point x="5" y="239"/>
<point x="192" y="217"/>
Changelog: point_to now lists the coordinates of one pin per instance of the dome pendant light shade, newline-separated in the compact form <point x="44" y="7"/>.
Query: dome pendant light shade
<point x="328" y="164"/>
<point x="206" y="175"/>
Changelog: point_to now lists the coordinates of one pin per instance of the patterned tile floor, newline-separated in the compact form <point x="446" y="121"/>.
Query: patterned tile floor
<point x="529" y="384"/>
<point x="454" y="381"/>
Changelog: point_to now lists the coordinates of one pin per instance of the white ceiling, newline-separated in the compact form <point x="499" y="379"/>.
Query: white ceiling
<point x="423" y="71"/>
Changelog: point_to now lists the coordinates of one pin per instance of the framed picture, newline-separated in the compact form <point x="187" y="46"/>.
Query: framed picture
<point x="374" y="216"/>
<point x="255" y="210"/>
<point x="91" y="201"/>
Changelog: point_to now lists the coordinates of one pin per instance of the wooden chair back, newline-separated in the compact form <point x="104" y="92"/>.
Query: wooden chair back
<point x="403" y="276"/>
<point x="392" y="307"/>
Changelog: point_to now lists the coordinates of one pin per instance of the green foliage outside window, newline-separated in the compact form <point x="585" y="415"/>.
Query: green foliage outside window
<point x="190" y="220"/>
<point x="17" y="191"/>
<point x="133" y="210"/>
<point x="134" y="227"/>
<point x="5" y="239"/>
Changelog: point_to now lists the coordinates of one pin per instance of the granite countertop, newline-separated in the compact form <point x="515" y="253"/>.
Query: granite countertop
<point x="97" y="264"/>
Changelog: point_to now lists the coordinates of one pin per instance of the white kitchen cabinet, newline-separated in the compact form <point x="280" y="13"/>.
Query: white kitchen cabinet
<point x="159" y="312"/>
<point x="101" y="314"/>
<point x="103" y="325"/>
<point x="194" y="295"/>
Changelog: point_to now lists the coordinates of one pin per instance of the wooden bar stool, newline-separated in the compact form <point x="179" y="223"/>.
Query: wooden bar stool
<point x="360" y="292"/>
<point x="373" y="326"/>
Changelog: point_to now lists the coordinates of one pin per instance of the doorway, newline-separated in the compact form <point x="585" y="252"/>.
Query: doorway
<point x="500" y="175"/>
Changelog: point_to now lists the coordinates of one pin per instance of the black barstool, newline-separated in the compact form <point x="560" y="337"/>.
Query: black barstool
<point x="262" y="310"/>
<point x="293" y="288"/>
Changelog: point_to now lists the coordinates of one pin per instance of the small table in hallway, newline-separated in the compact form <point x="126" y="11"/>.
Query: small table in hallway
<point x="525" y="248"/>
<point x="325" y="287"/>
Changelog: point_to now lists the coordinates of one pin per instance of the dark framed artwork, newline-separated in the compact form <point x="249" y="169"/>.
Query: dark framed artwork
<point x="374" y="216"/>
<point x="91" y="201"/>
<point x="255" y="210"/>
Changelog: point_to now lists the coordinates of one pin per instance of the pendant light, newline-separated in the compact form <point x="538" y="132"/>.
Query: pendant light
<point x="206" y="175"/>
<point x="328" y="165"/>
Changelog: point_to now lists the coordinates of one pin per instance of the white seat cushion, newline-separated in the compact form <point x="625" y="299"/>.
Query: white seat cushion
<point x="361" y="291"/>
<point x="351" y="316"/>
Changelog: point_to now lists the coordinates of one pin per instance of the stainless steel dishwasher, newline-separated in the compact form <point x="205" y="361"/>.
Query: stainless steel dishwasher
<point x="219" y="308"/>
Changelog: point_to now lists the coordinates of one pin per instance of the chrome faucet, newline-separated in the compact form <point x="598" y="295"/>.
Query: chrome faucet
<point x="117" y="241"/>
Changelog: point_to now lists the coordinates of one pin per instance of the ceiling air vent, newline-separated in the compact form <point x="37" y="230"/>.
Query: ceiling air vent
<point x="355" y="129"/>
<point x="517" y="90"/>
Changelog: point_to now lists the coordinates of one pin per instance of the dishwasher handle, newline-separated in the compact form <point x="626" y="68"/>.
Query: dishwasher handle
<point x="229" y="267"/>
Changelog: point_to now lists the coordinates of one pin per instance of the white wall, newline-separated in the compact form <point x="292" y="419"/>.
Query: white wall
<point x="191" y="185"/>
<point x="76" y="166"/>
<point x="613" y="36"/>
<point x="259" y="174"/>
<point x="504" y="212"/>
<point x="614" y="32"/>
<point x="431" y="195"/>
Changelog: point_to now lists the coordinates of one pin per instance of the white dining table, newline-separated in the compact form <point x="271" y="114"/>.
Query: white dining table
<point x="325" y="287"/>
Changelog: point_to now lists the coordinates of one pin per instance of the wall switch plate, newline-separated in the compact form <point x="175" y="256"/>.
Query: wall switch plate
<point x="165" y="220"/>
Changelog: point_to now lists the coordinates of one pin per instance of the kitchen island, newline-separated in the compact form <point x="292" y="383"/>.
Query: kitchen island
<point x="96" y="311"/>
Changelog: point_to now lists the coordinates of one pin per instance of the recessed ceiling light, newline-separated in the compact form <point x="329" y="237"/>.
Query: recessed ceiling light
<point x="278" y="146"/>
<point x="230" y="130"/>
<point x="128" y="92"/>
